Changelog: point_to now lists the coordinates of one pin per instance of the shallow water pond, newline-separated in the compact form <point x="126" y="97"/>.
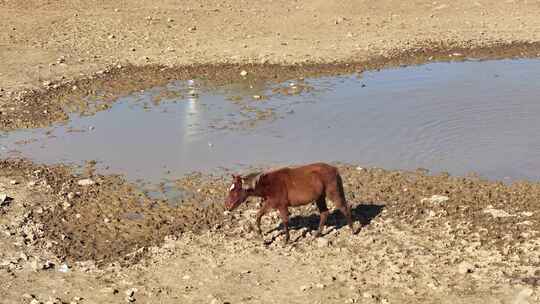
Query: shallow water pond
<point x="464" y="117"/>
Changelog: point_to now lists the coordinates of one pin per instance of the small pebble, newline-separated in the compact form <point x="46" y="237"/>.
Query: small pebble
<point x="85" y="182"/>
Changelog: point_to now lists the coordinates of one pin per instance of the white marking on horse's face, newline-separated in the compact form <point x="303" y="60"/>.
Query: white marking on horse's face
<point x="232" y="187"/>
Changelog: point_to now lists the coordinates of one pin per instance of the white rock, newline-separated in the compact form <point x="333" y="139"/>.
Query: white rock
<point x="436" y="199"/>
<point x="23" y="256"/>
<point x="216" y="301"/>
<point x="304" y="288"/>
<point x="63" y="268"/>
<point x="131" y="292"/>
<point x="13" y="182"/>
<point x="523" y="296"/>
<point x="243" y="73"/>
<point x="322" y="242"/>
<point x="71" y="195"/>
<point x="465" y="267"/>
<point x="496" y="212"/>
<point x="3" y="198"/>
<point x="85" y="182"/>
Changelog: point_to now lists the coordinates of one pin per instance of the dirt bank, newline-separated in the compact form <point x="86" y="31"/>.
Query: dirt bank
<point x="58" y="54"/>
<point x="72" y="236"/>
<point x="473" y="241"/>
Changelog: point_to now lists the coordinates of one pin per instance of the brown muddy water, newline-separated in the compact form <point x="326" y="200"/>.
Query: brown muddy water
<point x="474" y="116"/>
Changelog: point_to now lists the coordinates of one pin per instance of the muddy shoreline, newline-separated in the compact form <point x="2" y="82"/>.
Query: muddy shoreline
<point x="43" y="107"/>
<point x="70" y="235"/>
<point x="109" y="227"/>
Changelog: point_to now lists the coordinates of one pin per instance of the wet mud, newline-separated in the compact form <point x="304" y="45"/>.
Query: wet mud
<point x="42" y="107"/>
<point x="112" y="221"/>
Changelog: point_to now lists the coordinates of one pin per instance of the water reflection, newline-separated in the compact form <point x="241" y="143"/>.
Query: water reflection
<point x="455" y="117"/>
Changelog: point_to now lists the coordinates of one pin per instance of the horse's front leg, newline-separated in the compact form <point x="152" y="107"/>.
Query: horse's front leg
<point x="284" y="213"/>
<point x="262" y="211"/>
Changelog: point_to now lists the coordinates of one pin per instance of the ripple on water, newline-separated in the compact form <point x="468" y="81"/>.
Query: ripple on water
<point x="455" y="117"/>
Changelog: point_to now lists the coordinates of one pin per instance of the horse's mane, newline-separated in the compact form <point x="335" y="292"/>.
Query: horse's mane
<point x="251" y="180"/>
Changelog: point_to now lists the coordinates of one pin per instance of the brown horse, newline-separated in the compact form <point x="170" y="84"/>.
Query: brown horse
<point x="291" y="187"/>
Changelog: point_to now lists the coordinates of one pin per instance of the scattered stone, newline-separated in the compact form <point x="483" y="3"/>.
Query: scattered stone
<point x="38" y="265"/>
<point x="31" y="184"/>
<point x="465" y="268"/>
<point x="523" y="296"/>
<point x="192" y="29"/>
<point x="4" y="198"/>
<point x="436" y="199"/>
<point x="130" y="294"/>
<point x="243" y="73"/>
<point x="111" y="36"/>
<point x="23" y="256"/>
<point x="215" y="301"/>
<point x="13" y="182"/>
<point x="109" y="290"/>
<point x="35" y="301"/>
<point x="70" y="195"/>
<point x="304" y="288"/>
<point x="320" y="285"/>
<point x="63" y="268"/>
<point x="322" y="242"/>
<point x="85" y="182"/>
<point x="170" y="19"/>
<point x="257" y="97"/>
<point x="496" y="212"/>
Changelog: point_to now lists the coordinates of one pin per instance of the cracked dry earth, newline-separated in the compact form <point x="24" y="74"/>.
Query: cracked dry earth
<point x="424" y="239"/>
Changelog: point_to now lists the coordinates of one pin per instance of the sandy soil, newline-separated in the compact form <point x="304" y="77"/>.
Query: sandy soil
<point x="106" y="242"/>
<point x="475" y="241"/>
<point x="59" y="48"/>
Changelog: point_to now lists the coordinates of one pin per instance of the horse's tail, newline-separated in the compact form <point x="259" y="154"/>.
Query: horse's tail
<point x="340" y="189"/>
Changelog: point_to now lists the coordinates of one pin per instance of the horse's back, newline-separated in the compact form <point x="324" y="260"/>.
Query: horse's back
<point x="308" y="182"/>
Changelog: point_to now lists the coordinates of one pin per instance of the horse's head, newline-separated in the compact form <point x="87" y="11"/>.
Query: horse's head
<point x="240" y="189"/>
<point x="237" y="194"/>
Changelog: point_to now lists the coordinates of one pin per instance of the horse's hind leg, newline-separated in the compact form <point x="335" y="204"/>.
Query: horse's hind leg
<point x="336" y="194"/>
<point x="323" y="210"/>
<point x="284" y="213"/>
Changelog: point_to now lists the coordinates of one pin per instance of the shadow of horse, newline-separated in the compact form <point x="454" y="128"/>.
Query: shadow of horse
<point x="362" y="213"/>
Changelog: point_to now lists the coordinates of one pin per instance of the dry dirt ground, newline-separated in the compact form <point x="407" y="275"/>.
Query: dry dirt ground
<point x="85" y="238"/>
<point x="56" y="53"/>
<point x="424" y="239"/>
